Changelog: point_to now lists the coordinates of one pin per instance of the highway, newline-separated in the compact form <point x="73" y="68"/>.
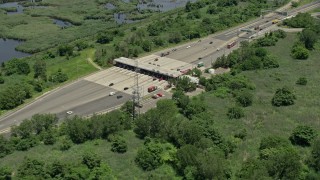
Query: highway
<point x="91" y="94"/>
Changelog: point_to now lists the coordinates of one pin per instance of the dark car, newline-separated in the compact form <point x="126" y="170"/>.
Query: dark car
<point x="126" y="88"/>
<point x="119" y="96"/>
<point x="200" y="58"/>
<point x="111" y="84"/>
<point x="211" y="42"/>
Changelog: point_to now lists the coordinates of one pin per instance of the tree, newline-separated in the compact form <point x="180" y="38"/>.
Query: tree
<point x="309" y="38"/>
<point x="187" y="156"/>
<point x="49" y="137"/>
<point x="101" y="172"/>
<point x="283" y="97"/>
<point x="149" y="156"/>
<point x="284" y="164"/>
<point x="40" y="69"/>
<point x="185" y="84"/>
<point x="65" y="50"/>
<point x="77" y="130"/>
<point x="303" y="135"/>
<point x="119" y="145"/>
<point x="235" y="112"/>
<point x="244" y="98"/>
<point x="104" y="38"/>
<point x="91" y="160"/>
<point x="302" y="81"/>
<point x="57" y="169"/>
<point x="181" y="99"/>
<point x="253" y="169"/>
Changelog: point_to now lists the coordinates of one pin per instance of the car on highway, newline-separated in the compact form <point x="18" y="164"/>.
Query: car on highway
<point x="188" y="47"/>
<point x="69" y="112"/>
<point x="111" y="84"/>
<point x="112" y="93"/>
<point x="210" y="42"/>
<point x="119" y="97"/>
<point x="199" y="58"/>
<point x="125" y="88"/>
<point x="218" y="49"/>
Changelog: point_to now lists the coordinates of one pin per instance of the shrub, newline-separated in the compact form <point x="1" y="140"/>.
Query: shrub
<point x="299" y="52"/>
<point x="1" y="80"/>
<point x="244" y="98"/>
<point x="302" y="81"/>
<point x="119" y="145"/>
<point x="65" y="144"/>
<point x="235" y="113"/>
<point x="283" y="97"/>
<point x="91" y="160"/>
<point x="303" y="135"/>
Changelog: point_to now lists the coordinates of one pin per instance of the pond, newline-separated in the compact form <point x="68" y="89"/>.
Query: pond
<point x="7" y="50"/>
<point x="61" y="23"/>
<point x="12" y="4"/>
<point x="163" y="5"/>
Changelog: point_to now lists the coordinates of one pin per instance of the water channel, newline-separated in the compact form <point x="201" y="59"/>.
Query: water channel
<point x="7" y="50"/>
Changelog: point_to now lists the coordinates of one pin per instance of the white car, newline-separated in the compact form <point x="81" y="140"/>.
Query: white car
<point x="69" y="112"/>
<point x="112" y="93"/>
<point x="188" y="47"/>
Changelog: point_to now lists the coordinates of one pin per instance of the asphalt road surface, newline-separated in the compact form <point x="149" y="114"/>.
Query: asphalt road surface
<point x="91" y="95"/>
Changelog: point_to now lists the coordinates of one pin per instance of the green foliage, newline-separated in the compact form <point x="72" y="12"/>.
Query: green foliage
<point x="14" y="95"/>
<point x="301" y="20"/>
<point x="270" y="145"/>
<point x="253" y="169"/>
<point x="65" y="144"/>
<point x="1" y="80"/>
<point x="241" y="134"/>
<point x="244" y="98"/>
<point x="59" y="77"/>
<point x="91" y="160"/>
<point x="5" y="173"/>
<point x="235" y="112"/>
<point x="31" y="168"/>
<point x="194" y="107"/>
<point x="119" y="145"/>
<point x="309" y="38"/>
<point x="65" y="50"/>
<point x="303" y="135"/>
<point x="16" y="66"/>
<point x="149" y="156"/>
<point x="298" y="51"/>
<point x="280" y="33"/>
<point x="40" y="69"/>
<point x="187" y="156"/>
<point x="104" y="38"/>
<point x="6" y="147"/>
<point x="302" y="81"/>
<point x="284" y="164"/>
<point x="49" y="137"/>
<point x="283" y="97"/>
<point x="314" y="160"/>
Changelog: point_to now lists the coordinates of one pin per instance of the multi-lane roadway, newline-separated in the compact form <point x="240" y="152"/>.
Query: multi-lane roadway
<point x="91" y="94"/>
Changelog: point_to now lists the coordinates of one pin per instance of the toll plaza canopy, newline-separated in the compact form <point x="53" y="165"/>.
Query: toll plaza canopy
<point x="158" y="65"/>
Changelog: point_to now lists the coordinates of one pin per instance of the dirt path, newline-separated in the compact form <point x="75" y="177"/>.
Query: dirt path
<point x="94" y="64"/>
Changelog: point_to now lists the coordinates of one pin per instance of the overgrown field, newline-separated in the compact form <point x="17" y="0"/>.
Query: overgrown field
<point x="262" y="119"/>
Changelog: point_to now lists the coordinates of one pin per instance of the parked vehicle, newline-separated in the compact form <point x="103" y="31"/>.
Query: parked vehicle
<point x="152" y="88"/>
<point x="160" y="95"/>
<point x="119" y="97"/>
<point x="275" y="21"/>
<point x="126" y="88"/>
<point x="112" y="93"/>
<point x="111" y="84"/>
<point x="155" y="96"/>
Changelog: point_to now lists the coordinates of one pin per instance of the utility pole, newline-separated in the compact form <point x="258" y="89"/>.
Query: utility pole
<point x="136" y="91"/>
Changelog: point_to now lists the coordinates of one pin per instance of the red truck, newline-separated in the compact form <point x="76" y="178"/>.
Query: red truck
<point x="152" y="88"/>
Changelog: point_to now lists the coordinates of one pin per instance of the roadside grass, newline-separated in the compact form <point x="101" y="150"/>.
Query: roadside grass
<point x="262" y="119"/>
<point x="304" y="2"/>
<point x="75" y="67"/>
